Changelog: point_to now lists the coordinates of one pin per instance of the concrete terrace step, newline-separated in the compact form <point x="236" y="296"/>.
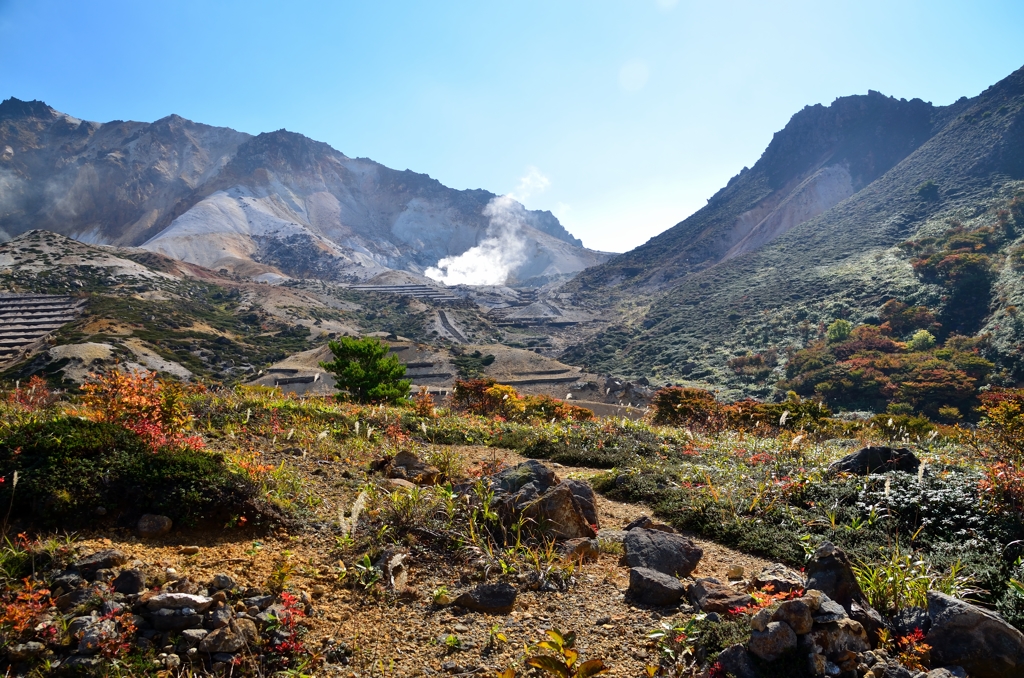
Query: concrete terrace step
<point x="26" y="319"/>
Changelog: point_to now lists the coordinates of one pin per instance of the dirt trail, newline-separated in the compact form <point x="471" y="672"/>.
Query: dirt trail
<point x="405" y="637"/>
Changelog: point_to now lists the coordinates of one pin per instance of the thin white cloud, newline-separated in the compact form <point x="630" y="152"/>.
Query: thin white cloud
<point x="532" y="182"/>
<point x="634" y="75"/>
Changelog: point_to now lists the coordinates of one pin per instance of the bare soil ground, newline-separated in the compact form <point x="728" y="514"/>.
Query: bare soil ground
<point x="404" y="635"/>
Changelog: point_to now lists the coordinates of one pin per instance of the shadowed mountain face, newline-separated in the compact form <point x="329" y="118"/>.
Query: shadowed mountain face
<point x="813" y="232"/>
<point x="277" y="203"/>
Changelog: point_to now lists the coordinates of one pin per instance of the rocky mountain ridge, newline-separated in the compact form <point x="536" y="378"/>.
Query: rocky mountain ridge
<point x="275" y="205"/>
<point x="812" y="233"/>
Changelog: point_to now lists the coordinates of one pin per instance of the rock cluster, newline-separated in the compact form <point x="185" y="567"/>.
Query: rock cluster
<point x="834" y="629"/>
<point x="106" y="599"/>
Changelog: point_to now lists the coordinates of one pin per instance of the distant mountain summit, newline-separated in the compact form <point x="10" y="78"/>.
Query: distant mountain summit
<point x="821" y="228"/>
<point x="277" y="204"/>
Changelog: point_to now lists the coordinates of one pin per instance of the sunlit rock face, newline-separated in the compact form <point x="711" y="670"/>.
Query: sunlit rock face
<point x="276" y="204"/>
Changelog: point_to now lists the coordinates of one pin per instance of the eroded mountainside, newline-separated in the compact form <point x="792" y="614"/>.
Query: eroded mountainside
<point x="813" y="232"/>
<point x="274" y="205"/>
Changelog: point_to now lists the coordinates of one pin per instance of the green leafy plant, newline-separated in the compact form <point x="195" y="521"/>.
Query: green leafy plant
<point x="364" y="371"/>
<point x="562" y="659"/>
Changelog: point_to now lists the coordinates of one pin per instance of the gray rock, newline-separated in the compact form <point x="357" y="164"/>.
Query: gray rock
<point x="978" y="640"/>
<point x="83" y="662"/>
<point x="130" y="582"/>
<point x="832" y="638"/>
<point x="496" y="598"/>
<point x="94" y="636"/>
<point x="877" y="460"/>
<point x="581" y="549"/>
<point x="831" y="572"/>
<point x="948" y="672"/>
<point x="407" y="466"/>
<point x="760" y="621"/>
<point x="222" y="581"/>
<point x="231" y="638"/>
<point x="710" y="595"/>
<point x="179" y="601"/>
<point x="190" y="638"/>
<point x="780" y="578"/>
<point x="76" y="599"/>
<point x="829" y="611"/>
<point x="736" y="661"/>
<point x="586" y="499"/>
<point x="773" y="642"/>
<point x="101" y="560"/>
<point x="907" y="620"/>
<point x="513" y="479"/>
<point x="66" y="581"/>
<point x="218" y="618"/>
<point x="650" y="587"/>
<point x="667" y="553"/>
<point x="558" y="510"/>
<point x="151" y="525"/>
<point x="273" y="615"/>
<point x="261" y="602"/>
<point x="80" y="624"/>
<point x="797" y="614"/>
<point x="648" y="523"/>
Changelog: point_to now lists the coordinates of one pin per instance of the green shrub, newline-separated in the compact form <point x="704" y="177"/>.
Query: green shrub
<point x="69" y="468"/>
<point x="839" y="330"/>
<point x="364" y="372"/>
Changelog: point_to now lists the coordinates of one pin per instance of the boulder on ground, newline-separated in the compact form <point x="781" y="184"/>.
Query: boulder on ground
<point x="662" y="551"/>
<point x="831" y="572"/>
<point x="980" y="641"/>
<point x="781" y="578"/>
<point x="407" y="466"/>
<point x="736" y="661"/>
<point x="648" y="523"/>
<point x="558" y="510"/>
<point x="581" y="549"/>
<point x="711" y="595"/>
<point x="489" y="598"/>
<point x="650" y="587"/>
<point x="773" y="642"/>
<point x="129" y="582"/>
<point x="533" y="472"/>
<point x="834" y="638"/>
<point x="877" y="460"/>
<point x="151" y="525"/>
<point x="101" y="560"/>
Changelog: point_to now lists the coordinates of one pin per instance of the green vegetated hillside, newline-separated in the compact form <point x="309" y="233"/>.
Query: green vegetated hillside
<point x="933" y="220"/>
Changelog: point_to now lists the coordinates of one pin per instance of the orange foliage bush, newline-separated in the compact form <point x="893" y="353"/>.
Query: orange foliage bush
<point x="152" y="408"/>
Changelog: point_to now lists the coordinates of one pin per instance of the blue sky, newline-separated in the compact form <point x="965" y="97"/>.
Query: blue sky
<point x="633" y="111"/>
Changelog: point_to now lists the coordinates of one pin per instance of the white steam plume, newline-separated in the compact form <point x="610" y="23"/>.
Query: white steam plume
<point x="503" y="249"/>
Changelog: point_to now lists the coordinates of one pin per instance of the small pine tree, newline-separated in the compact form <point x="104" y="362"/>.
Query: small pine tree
<point x="364" y="371"/>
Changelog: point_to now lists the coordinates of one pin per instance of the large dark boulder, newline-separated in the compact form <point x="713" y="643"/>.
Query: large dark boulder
<point x="831" y="572"/>
<point x="662" y="551"/>
<point x="650" y="587"/>
<point x="558" y="511"/>
<point x="877" y="460"/>
<point x="980" y="641"/>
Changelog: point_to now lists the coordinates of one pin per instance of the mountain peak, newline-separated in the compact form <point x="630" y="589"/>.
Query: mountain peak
<point x="16" y="108"/>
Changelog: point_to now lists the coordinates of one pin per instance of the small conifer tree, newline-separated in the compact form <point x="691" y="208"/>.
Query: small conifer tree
<point x="364" y="372"/>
